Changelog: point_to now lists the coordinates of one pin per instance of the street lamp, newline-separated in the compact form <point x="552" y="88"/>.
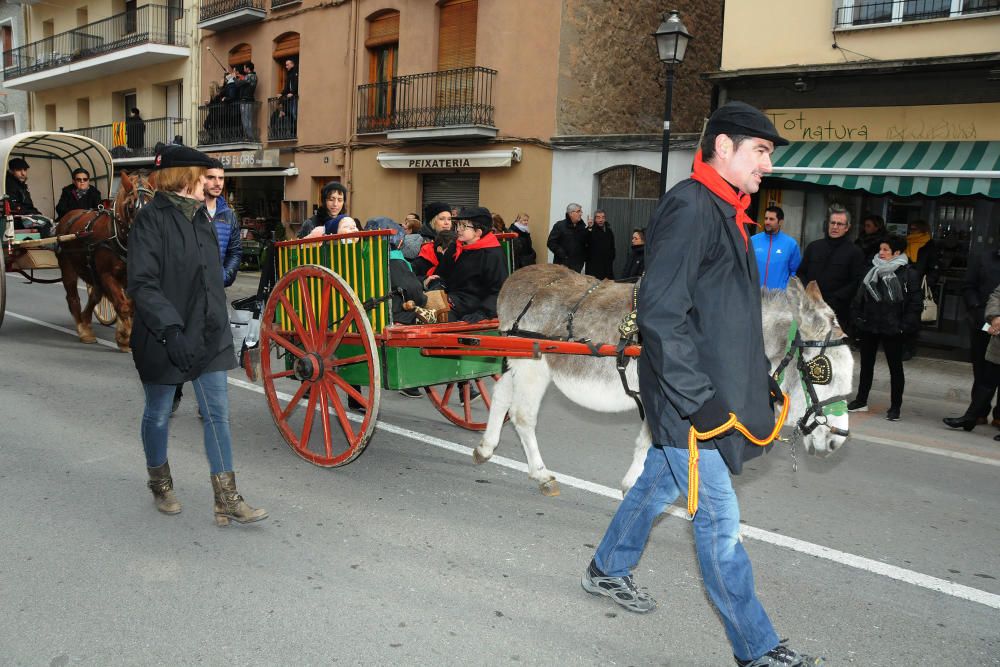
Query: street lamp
<point x="671" y="41"/>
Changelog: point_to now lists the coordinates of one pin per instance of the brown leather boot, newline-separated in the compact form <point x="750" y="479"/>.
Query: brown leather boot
<point x="162" y="485"/>
<point x="229" y="504"/>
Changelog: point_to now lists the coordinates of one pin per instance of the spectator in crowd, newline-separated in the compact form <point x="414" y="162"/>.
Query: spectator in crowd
<point x="568" y="239"/>
<point x="227" y="232"/>
<point x="981" y="279"/>
<point x="332" y="203"/>
<point x="135" y="130"/>
<point x="79" y="194"/>
<point x="836" y="265"/>
<point x="412" y="224"/>
<point x="437" y="217"/>
<point x="181" y="328"/>
<point x="19" y="197"/>
<point x="922" y="253"/>
<point x="600" y="248"/>
<point x="290" y="91"/>
<point x="637" y="256"/>
<point x="886" y="308"/>
<point x="777" y="253"/>
<point x="499" y="226"/>
<point x="524" y="252"/>
<point x="871" y="235"/>
<point x="246" y="90"/>
<point x="475" y="277"/>
<point x="990" y="378"/>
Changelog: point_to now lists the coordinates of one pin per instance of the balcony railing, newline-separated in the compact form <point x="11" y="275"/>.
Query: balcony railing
<point x="137" y="139"/>
<point x="282" y="118"/>
<point x="148" y="24"/>
<point x="278" y="4"/>
<point x="874" y="12"/>
<point x="457" y="97"/>
<point x="211" y="9"/>
<point x="229" y="123"/>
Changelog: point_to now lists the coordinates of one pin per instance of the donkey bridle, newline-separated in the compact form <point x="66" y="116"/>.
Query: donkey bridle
<point x="817" y="370"/>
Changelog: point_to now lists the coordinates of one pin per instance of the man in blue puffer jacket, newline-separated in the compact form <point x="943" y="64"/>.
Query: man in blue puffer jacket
<point x="227" y="229"/>
<point x="778" y="255"/>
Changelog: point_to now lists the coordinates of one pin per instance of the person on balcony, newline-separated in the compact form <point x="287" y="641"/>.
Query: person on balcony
<point x="135" y="131"/>
<point x="79" y="194"/>
<point x="246" y="89"/>
<point x="290" y="91"/>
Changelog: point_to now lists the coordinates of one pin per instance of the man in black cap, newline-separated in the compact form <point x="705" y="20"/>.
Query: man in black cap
<point x="702" y="358"/>
<point x="475" y="277"/>
<point x="16" y="188"/>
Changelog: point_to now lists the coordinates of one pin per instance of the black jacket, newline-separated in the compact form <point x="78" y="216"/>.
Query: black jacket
<point x="175" y="279"/>
<point x="135" y="132"/>
<point x="291" y="86"/>
<point x="636" y="262"/>
<point x="246" y="87"/>
<point x="20" y="198"/>
<point x="869" y="243"/>
<point x="68" y="201"/>
<point x="524" y="252"/>
<point x="982" y="277"/>
<point x="400" y="275"/>
<point x="885" y="317"/>
<point x="700" y="319"/>
<point x="837" y="266"/>
<point x="568" y="243"/>
<point x="926" y="263"/>
<point x="601" y="252"/>
<point x="475" y="278"/>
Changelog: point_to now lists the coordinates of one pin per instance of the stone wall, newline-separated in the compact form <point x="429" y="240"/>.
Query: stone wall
<point x="610" y="78"/>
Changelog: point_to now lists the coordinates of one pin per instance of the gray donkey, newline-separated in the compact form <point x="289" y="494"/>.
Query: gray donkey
<point x="594" y="382"/>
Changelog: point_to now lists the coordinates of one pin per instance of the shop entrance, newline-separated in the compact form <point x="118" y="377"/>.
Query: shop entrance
<point x="257" y="203"/>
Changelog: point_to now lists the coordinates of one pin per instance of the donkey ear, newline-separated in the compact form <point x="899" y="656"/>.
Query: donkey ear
<point x="795" y="292"/>
<point x="812" y="289"/>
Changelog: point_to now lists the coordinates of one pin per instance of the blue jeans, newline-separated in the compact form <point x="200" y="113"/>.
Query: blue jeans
<point x="212" y="392"/>
<point x="725" y="566"/>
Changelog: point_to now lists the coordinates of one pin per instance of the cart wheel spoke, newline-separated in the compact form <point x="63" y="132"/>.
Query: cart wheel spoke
<point x="312" y="328"/>
<point x="297" y="326"/>
<point x="288" y="345"/>
<point x="281" y="374"/>
<point x="471" y="414"/>
<point x="346" y="361"/>
<point x="310" y="414"/>
<point x="335" y="339"/>
<point x="294" y="403"/>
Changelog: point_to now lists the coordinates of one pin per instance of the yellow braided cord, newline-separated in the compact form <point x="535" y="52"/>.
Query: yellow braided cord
<point x="694" y="436"/>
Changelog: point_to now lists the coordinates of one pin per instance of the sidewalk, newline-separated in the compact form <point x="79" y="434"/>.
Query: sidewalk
<point x="935" y="388"/>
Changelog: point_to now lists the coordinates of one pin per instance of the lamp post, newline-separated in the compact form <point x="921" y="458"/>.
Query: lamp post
<point x="671" y="41"/>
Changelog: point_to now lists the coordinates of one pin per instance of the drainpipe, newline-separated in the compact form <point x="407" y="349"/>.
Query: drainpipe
<point x="352" y="91"/>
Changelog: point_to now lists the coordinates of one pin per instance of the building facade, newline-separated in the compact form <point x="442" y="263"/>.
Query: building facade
<point x="13" y="103"/>
<point x="409" y="101"/>
<point x="892" y="108"/>
<point x="86" y="67"/>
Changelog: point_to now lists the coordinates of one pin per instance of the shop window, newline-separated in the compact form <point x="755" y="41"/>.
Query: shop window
<point x="628" y="195"/>
<point x="7" y="37"/>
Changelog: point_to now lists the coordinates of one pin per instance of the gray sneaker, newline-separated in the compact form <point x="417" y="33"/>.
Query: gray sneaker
<point x="620" y="589"/>
<point x="781" y="656"/>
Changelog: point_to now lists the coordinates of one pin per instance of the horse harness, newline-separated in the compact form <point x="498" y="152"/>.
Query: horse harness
<point x="816" y="371"/>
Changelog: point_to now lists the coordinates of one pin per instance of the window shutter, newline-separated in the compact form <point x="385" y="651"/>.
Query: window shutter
<point x="240" y="54"/>
<point x="457" y="34"/>
<point x="286" y="46"/>
<point x="383" y="30"/>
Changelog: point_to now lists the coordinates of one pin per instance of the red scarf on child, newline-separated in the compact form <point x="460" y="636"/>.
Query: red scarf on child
<point x="720" y="187"/>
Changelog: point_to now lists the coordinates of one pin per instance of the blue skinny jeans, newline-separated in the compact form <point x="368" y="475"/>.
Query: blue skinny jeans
<point x="212" y="393"/>
<point x="725" y="566"/>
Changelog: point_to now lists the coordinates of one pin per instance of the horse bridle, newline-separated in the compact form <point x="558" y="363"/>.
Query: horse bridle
<point x="816" y="371"/>
<point x="142" y="195"/>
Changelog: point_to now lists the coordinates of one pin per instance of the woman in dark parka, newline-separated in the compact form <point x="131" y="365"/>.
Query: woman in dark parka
<point x="181" y="328"/>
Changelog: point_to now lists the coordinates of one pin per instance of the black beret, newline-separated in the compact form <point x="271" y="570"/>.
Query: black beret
<point x="18" y="163"/>
<point x="739" y="118"/>
<point x="434" y="209"/>
<point x="172" y="155"/>
<point x="477" y="215"/>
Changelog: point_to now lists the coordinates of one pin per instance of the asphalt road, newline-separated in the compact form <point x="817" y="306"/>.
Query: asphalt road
<point x="413" y="556"/>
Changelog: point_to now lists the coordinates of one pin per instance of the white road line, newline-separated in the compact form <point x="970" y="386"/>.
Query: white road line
<point x="768" y="537"/>
<point x="961" y="456"/>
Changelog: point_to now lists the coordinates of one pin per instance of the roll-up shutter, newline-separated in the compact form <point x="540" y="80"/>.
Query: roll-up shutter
<point x="457" y="190"/>
<point x="457" y="34"/>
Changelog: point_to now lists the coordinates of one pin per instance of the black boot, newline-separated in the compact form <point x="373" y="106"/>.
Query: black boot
<point x="965" y="422"/>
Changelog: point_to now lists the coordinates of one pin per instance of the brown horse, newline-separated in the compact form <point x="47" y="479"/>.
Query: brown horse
<point x="98" y="256"/>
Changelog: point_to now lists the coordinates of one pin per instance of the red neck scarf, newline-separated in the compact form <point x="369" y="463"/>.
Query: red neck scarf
<point x="720" y="187"/>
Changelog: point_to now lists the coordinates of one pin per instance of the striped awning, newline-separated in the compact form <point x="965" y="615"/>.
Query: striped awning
<point x="895" y="167"/>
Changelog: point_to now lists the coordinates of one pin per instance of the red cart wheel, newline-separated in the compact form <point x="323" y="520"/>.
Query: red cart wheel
<point x="455" y="401"/>
<point x="310" y="364"/>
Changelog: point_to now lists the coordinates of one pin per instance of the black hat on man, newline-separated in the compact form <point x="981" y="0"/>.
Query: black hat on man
<point x="480" y="217"/>
<point x="172" y="155"/>
<point x="739" y="118"/>
<point x="18" y="163"/>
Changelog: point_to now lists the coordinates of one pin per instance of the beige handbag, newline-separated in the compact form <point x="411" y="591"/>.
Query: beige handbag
<point x="437" y="301"/>
<point x="930" y="312"/>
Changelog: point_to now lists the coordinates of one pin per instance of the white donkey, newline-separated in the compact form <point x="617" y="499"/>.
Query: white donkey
<point x="816" y="387"/>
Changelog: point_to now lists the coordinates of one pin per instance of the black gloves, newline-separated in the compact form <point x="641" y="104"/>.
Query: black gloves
<point x="774" y="389"/>
<point x="709" y="416"/>
<point x="179" y="350"/>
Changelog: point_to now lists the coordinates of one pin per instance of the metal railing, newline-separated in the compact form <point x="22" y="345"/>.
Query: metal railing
<point x="211" y="9"/>
<point x="874" y="12"/>
<point x="148" y="24"/>
<point x="282" y="118"/>
<point x="229" y="123"/>
<point x="278" y="4"/>
<point x="434" y="99"/>
<point x="138" y="138"/>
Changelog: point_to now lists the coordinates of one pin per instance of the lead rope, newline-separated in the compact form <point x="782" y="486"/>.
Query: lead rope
<point x="694" y="436"/>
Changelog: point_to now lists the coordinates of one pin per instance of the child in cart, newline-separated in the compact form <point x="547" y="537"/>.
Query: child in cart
<point x="473" y="280"/>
